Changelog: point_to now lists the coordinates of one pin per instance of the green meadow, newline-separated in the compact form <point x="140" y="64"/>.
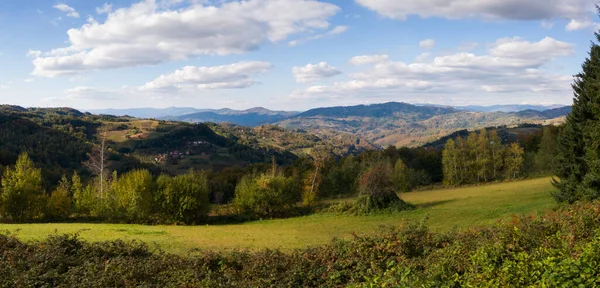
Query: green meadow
<point x="445" y="208"/>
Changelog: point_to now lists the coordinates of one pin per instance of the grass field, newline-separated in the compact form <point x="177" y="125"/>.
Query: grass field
<point x="447" y="208"/>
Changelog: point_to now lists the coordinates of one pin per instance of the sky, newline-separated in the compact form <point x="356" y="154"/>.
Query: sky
<point x="291" y="54"/>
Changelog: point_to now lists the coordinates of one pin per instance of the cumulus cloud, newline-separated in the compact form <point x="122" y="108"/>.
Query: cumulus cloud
<point x="104" y="9"/>
<point x="575" y="25"/>
<point x="151" y="32"/>
<point x="67" y="9"/>
<point x="547" y="24"/>
<point x="335" y="31"/>
<point x="314" y="72"/>
<point x="368" y="59"/>
<point x="486" y="9"/>
<point x="427" y="44"/>
<point x="510" y="65"/>
<point x="233" y="76"/>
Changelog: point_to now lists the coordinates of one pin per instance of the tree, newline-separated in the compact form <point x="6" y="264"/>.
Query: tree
<point x="402" y="177"/>
<point x="484" y="157"/>
<point x="132" y="195"/>
<point x="183" y="198"/>
<point x="450" y="163"/>
<point x="544" y="158"/>
<point x="265" y="195"/>
<point x="83" y="198"/>
<point x="514" y="160"/>
<point x="59" y="205"/>
<point x="22" y="196"/>
<point x="376" y="189"/>
<point x="496" y="154"/>
<point x="98" y="163"/>
<point x="577" y="164"/>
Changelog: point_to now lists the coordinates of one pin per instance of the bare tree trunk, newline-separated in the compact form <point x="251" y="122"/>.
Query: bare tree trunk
<point x="98" y="161"/>
<point x="314" y="181"/>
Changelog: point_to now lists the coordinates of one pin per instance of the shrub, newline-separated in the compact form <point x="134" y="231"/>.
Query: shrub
<point x="377" y="190"/>
<point x="265" y="195"/>
<point x="183" y="198"/>
<point x="559" y="249"/>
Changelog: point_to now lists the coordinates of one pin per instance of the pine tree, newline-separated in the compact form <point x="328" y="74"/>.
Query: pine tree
<point x="577" y="163"/>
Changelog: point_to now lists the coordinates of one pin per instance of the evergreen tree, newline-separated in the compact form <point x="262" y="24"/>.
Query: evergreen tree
<point x="577" y="163"/>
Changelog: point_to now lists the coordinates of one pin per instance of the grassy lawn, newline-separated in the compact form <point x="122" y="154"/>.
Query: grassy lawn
<point x="447" y="208"/>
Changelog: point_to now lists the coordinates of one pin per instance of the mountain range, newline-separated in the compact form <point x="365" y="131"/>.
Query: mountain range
<point x="392" y="123"/>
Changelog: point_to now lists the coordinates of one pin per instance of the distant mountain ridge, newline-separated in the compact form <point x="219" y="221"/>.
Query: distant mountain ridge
<point x="403" y="124"/>
<point x="508" y="108"/>
<point x="392" y="123"/>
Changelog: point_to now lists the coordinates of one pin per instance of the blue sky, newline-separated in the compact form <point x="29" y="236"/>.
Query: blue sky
<point x="290" y="54"/>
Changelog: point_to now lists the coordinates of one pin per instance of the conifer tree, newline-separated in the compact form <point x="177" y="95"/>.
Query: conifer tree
<point x="577" y="163"/>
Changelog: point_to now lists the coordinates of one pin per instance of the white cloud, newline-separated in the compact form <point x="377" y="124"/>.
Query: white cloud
<point x="427" y="44"/>
<point x="547" y="24"/>
<point x="368" y="59"/>
<point x="67" y="9"/>
<point x="423" y="57"/>
<point x="4" y="87"/>
<point x="86" y="93"/>
<point x="233" y="76"/>
<point x="575" y="25"/>
<point x="149" y="33"/>
<point x="335" y="31"/>
<point x="510" y="65"/>
<point x="314" y="72"/>
<point x="104" y="9"/>
<point x="484" y="9"/>
<point x="34" y="53"/>
<point x="29" y="80"/>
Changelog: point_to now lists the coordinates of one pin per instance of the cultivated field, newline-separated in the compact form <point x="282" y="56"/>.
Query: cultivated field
<point x="446" y="208"/>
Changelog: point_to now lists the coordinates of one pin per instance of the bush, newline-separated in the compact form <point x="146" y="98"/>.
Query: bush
<point x="183" y="198"/>
<point x="377" y="190"/>
<point x="559" y="249"/>
<point x="265" y="195"/>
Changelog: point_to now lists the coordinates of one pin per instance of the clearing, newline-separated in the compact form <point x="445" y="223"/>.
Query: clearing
<point x="446" y="208"/>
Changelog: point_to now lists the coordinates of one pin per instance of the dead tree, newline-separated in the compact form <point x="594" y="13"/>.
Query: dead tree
<point x="98" y="161"/>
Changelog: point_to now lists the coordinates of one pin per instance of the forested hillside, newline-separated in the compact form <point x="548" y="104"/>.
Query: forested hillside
<point x="401" y="124"/>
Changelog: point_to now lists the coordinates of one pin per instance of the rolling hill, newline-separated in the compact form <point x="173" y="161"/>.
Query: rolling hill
<point x="402" y="124"/>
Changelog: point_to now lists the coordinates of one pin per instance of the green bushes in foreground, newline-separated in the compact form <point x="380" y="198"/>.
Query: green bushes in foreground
<point x="560" y="248"/>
